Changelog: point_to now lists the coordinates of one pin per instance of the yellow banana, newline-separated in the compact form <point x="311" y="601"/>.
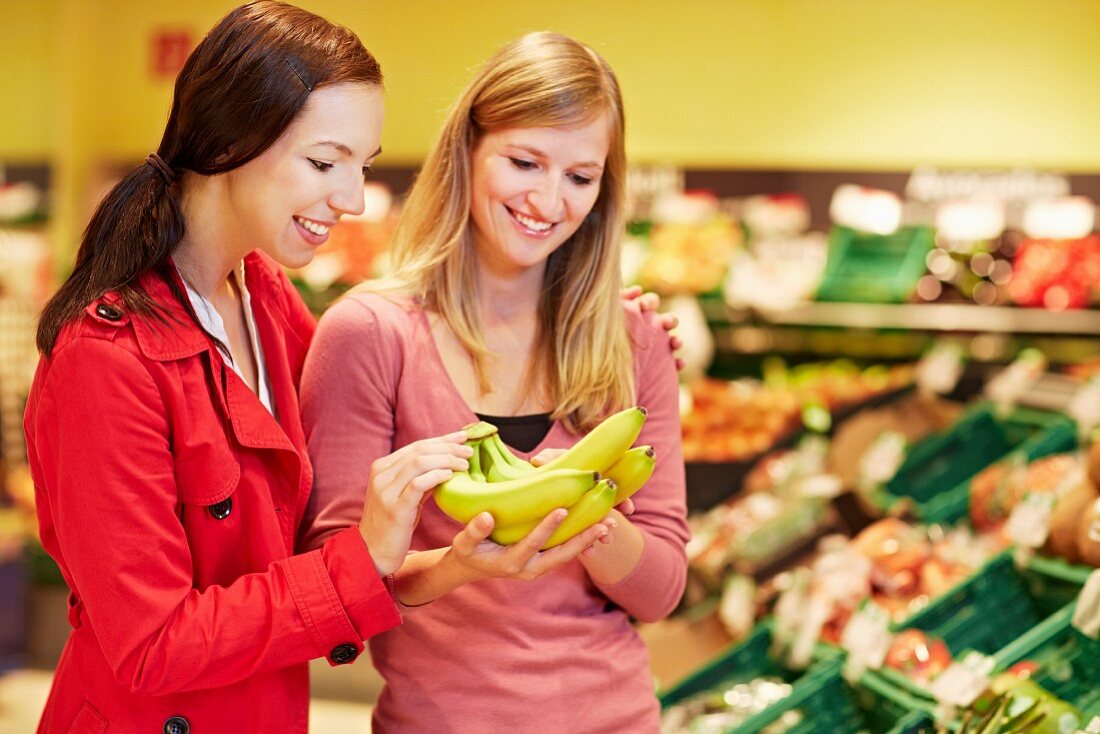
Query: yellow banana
<point x="499" y="464"/>
<point x="586" y="512"/>
<point x="604" y="444"/>
<point x="467" y="494"/>
<point x="632" y="470"/>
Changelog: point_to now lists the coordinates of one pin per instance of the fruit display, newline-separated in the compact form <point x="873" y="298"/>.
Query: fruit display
<point x="1072" y="524"/>
<point x="750" y="532"/>
<point x="519" y="495"/>
<point x="723" y="708"/>
<point x="913" y="564"/>
<point x="736" y="420"/>
<point x="689" y="257"/>
<point x="914" y="417"/>
<point x="1056" y="274"/>
<point x="1015" y="704"/>
<point x="918" y="656"/>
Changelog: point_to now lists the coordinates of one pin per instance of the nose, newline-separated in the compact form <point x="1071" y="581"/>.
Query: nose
<point x="546" y="198"/>
<point x="348" y="197"/>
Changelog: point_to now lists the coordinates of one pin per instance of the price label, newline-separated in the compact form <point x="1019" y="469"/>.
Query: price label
<point x="882" y="460"/>
<point x="867" y="639"/>
<point x="1006" y="388"/>
<point x="1086" y="617"/>
<point x="940" y="369"/>
<point x="1029" y="523"/>
<point x="963" y="681"/>
<point x="1084" y="406"/>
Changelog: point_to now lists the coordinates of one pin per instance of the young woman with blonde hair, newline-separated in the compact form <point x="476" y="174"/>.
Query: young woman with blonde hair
<point x="505" y="305"/>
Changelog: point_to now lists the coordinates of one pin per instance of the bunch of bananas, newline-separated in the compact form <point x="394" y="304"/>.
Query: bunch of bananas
<point x="597" y="473"/>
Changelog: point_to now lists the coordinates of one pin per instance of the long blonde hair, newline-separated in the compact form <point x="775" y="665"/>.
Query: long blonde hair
<point x="538" y="80"/>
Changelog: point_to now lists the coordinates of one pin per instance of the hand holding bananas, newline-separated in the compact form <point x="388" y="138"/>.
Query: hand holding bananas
<point x="398" y="484"/>
<point x="597" y="473"/>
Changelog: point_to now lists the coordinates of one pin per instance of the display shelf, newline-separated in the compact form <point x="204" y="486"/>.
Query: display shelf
<point x="940" y="317"/>
<point x="946" y="317"/>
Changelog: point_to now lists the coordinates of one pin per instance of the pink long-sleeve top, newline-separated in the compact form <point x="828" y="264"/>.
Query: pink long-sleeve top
<point x="555" y="654"/>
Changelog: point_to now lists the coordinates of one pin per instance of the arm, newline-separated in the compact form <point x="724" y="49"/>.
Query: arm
<point x="644" y="568"/>
<point x="348" y="396"/>
<point x="348" y="415"/>
<point x="113" y="501"/>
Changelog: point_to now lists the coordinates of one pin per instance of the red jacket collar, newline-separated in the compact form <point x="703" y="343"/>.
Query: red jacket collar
<point x="179" y="335"/>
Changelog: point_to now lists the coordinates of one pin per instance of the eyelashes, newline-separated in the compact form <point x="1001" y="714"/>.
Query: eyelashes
<point x="523" y="164"/>
<point x="325" y="167"/>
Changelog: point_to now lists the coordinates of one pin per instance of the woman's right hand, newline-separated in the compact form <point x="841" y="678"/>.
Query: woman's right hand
<point x="398" y="485"/>
<point x="482" y="558"/>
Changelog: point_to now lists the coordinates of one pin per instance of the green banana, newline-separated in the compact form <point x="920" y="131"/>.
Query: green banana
<point x="604" y="444"/>
<point x="632" y="470"/>
<point x="467" y="494"/>
<point x="499" y="463"/>
<point x="586" y="512"/>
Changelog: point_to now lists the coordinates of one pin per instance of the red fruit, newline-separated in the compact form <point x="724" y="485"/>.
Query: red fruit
<point x="919" y="657"/>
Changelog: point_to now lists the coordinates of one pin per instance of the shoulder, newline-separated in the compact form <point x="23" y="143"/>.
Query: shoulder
<point x="96" y="353"/>
<point x="104" y="325"/>
<point x="374" y="312"/>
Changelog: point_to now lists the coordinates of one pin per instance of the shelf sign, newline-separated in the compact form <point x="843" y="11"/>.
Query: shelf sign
<point x="168" y="50"/>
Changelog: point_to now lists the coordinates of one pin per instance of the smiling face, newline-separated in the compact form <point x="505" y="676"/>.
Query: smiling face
<point x="531" y="188"/>
<point x="284" y="201"/>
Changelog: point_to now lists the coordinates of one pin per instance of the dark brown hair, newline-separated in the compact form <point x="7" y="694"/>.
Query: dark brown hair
<point x="238" y="91"/>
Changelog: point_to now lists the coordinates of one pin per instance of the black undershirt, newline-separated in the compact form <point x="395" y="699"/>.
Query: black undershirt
<point x="521" y="432"/>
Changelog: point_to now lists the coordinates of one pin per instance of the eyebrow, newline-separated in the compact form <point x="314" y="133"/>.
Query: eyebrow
<point x="536" y="152"/>
<point x="345" y="149"/>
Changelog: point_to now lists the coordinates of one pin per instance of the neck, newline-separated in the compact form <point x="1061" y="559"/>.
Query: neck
<point x="210" y="248"/>
<point x="509" y="297"/>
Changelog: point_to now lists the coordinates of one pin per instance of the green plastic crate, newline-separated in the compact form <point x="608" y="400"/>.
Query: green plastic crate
<point x="987" y="613"/>
<point x="1054" y="580"/>
<point x="935" y="476"/>
<point x="1069" y="662"/>
<point x="1049" y="434"/>
<point x="870" y="268"/>
<point x="828" y="703"/>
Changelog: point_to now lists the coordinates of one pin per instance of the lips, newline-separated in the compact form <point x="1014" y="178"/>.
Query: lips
<point x="531" y="226"/>
<point x="312" y="231"/>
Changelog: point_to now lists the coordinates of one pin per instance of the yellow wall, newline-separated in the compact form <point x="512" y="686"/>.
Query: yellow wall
<point x="27" y="71"/>
<point x="873" y="84"/>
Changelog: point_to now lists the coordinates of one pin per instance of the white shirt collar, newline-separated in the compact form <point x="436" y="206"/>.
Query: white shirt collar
<point x="211" y="321"/>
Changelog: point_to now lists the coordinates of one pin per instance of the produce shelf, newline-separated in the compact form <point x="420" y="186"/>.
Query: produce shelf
<point x="938" y="317"/>
<point x="824" y="701"/>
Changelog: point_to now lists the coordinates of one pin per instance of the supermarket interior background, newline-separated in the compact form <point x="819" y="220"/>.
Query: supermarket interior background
<point x="874" y="220"/>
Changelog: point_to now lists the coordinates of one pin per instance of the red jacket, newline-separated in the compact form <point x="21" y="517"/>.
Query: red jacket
<point x="171" y="499"/>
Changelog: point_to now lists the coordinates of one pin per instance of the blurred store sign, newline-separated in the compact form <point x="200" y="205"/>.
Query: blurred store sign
<point x="933" y="184"/>
<point x="168" y="50"/>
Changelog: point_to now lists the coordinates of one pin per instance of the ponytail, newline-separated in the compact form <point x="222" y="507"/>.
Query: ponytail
<point x="135" y="228"/>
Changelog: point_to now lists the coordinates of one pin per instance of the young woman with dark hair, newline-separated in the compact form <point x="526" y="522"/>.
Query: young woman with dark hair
<point x="163" y="424"/>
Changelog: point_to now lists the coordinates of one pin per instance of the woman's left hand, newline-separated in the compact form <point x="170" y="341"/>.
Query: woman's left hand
<point x="649" y="302"/>
<point x="523" y="560"/>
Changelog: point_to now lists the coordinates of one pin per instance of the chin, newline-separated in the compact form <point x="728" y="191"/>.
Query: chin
<point x="293" y="260"/>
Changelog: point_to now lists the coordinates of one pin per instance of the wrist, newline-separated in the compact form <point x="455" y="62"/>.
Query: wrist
<point x="462" y="572"/>
<point x="384" y="567"/>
